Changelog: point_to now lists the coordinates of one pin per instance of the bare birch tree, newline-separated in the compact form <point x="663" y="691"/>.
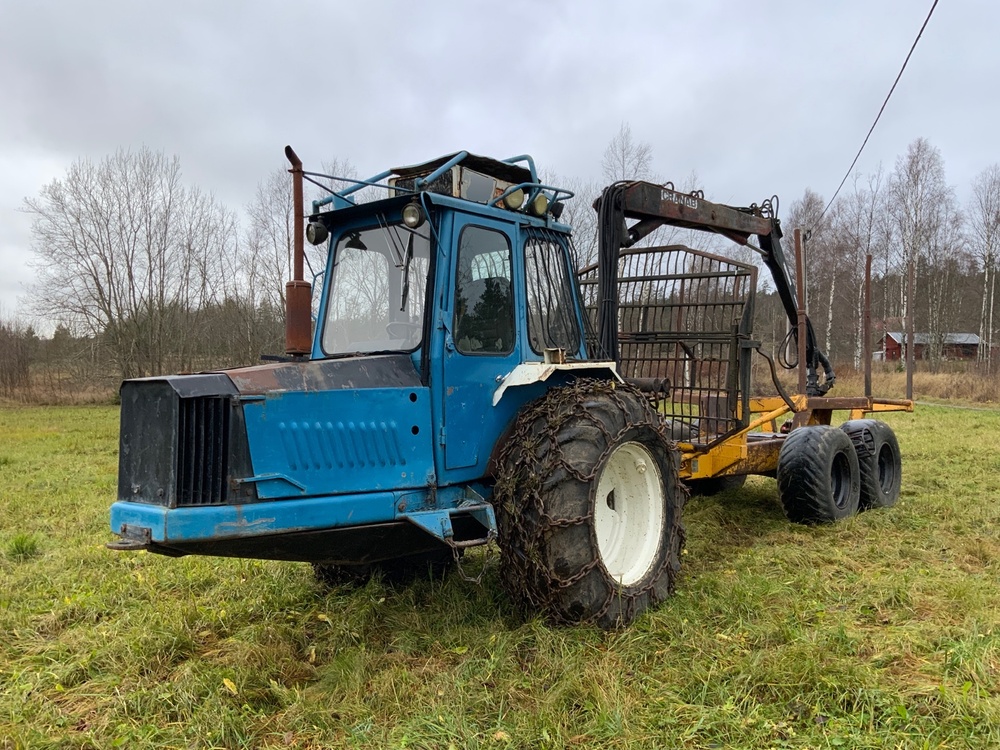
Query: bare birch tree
<point x="116" y="253"/>
<point x="920" y="202"/>
<point x="865" y="232"/>
<point x="984" y="226"/>
<point x="821" y="259"/>
<point x="947" y="263"/>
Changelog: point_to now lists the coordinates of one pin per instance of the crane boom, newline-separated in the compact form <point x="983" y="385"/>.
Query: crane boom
<point x="652" y="206"/>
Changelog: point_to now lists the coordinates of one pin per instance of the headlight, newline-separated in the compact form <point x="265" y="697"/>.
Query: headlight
<point x="316" y="233"/>
<point x="413" y="215"/>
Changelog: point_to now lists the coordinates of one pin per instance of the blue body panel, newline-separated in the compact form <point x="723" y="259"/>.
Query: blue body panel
<point x="340" y="441"/>
<point x="179" y="525"/>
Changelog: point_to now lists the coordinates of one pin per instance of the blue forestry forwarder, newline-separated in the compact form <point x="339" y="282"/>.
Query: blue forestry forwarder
<point x="469" y="381"/>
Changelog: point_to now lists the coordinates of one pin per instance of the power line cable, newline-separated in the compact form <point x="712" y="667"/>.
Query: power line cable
<point x="879" y="115"/>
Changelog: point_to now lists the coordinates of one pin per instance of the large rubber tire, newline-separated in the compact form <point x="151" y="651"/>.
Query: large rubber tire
<point x="880" y="464"/>
<point x="399" y="571"/>
<point x="818" y="478"/>
<point x="589" y="506"/>
<point x="715" y="485"/>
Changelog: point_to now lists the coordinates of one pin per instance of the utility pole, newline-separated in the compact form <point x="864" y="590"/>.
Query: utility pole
<point x="910" y="287"/>
<point x="866" y="348"/>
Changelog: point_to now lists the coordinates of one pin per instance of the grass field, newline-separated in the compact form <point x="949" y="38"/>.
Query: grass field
<point x="880" y="632"/>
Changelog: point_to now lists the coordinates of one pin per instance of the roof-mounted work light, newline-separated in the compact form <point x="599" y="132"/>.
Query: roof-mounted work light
<point x="539" y="205"/>
<point x="413" y="215"/>
<point x="316" y="233"/>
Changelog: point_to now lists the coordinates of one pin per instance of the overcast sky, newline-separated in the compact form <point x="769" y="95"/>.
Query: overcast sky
<point x="756" y="98"/>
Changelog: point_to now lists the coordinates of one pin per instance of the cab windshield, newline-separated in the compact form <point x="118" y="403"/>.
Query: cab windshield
<point x="378" y="284"/>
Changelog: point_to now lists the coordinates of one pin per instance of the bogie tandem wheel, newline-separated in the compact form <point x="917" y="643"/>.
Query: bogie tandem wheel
<point x="818" y="478"/>
<point x="879" y="462"/>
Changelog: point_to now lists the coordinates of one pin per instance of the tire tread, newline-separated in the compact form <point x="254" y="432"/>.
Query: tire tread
<point x="549" y="556"/>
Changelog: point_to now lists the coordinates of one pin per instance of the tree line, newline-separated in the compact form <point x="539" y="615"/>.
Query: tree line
<point x="144" y="274"/>
<point x="911" y="223"/>
<point x="909" y="220"/>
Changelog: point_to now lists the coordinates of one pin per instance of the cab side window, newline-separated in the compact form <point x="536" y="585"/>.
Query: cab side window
<point x="484" y="300"/>
<point x="552" y="322"/>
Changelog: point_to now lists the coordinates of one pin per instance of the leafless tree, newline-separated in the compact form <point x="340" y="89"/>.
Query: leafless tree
<point x="18" y="345"/>
<point x="925" y="217"/>
<point x="579" y="213"/>
<point x="984" y="226"/>
<point x="947" y="263"/>
<point x="341" y="174"/>
<point x="866" y="233"/>
<point x="823" y="250"/>
<point x="269" y="238"/>
<point x="625" y="158"/>
<point x="118" y="246"/>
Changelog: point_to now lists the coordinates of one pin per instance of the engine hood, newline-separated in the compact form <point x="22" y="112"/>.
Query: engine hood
<point x="377" y="371"/>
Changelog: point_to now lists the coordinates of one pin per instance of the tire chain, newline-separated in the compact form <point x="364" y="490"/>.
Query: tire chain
<point x="519" y="491"/>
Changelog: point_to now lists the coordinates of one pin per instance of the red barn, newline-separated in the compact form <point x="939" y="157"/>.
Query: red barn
<point x="955" y="346"/>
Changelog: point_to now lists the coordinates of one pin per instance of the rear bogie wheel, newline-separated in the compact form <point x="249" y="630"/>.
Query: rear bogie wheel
<point x="880" y="465"/>
<point x="818" y="478"/>
<point x="589" y="506"/>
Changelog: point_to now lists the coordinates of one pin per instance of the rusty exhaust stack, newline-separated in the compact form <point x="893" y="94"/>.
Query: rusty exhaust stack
<point x="298" y="291"/>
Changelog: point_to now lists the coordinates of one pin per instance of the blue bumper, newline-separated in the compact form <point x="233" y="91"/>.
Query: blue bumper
<point x="210" y="523"/>
<point x="346" y="529"/>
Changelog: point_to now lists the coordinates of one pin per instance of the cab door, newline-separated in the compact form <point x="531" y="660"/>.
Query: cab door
<point x="480" y="342"/>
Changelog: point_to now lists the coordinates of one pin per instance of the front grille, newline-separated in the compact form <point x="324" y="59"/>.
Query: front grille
<point x="202" y="450"/>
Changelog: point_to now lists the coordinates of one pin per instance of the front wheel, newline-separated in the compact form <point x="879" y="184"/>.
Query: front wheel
<point x="629" y="509"/>
<point x="588" y="506"/>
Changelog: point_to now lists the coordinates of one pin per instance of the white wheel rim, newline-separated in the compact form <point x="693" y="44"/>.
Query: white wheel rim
<point x="629" y="513"/>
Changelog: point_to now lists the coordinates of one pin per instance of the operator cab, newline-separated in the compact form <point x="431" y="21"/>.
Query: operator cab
<point x="465" y="270"/>
<point x="483" y="232"/>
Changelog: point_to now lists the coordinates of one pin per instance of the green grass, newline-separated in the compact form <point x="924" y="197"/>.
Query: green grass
<point x="880" y="632"/>
<point x="22" y="547"/>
